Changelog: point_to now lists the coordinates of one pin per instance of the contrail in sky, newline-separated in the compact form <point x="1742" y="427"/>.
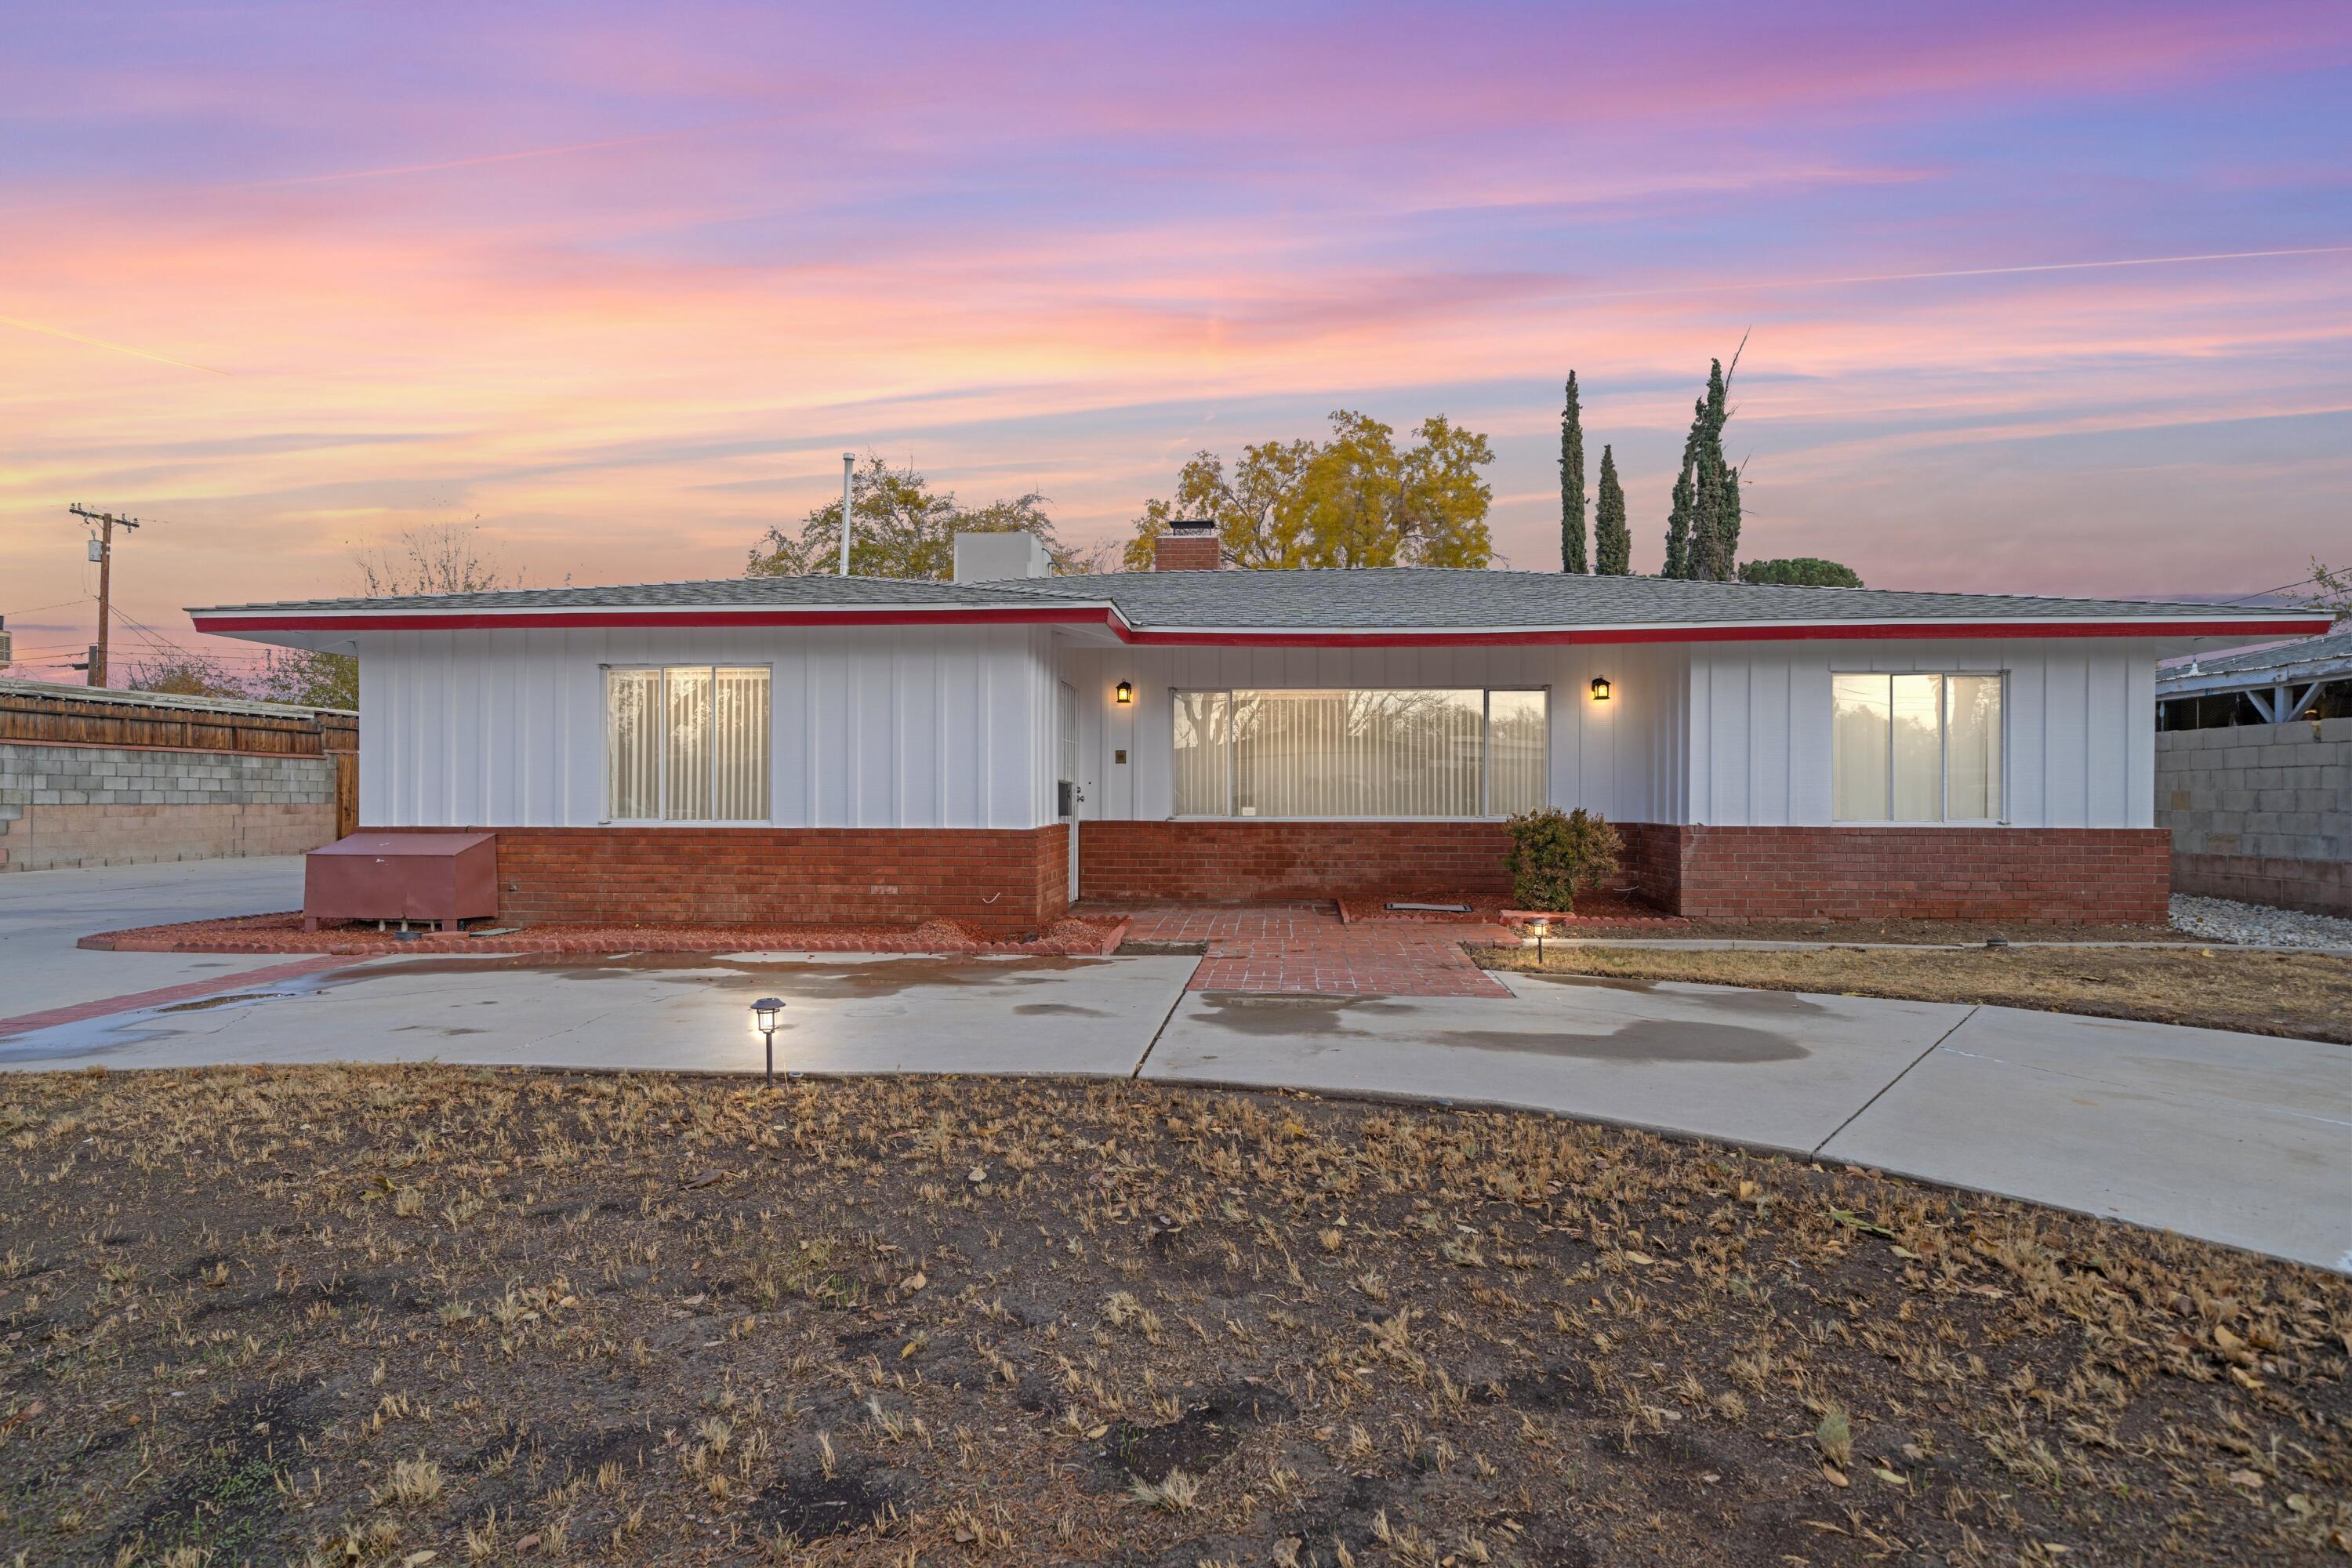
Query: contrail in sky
<point x="102" y="343"/>
<point x="1966" y="272"/>
<point x="517" y="157"/>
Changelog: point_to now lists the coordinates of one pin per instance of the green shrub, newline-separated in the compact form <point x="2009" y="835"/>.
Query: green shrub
<point x="1556" y="855"/>
<point x="1804" y="571"/>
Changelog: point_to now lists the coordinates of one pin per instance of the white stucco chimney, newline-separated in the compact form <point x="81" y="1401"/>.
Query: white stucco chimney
<point x="992" y="557"/>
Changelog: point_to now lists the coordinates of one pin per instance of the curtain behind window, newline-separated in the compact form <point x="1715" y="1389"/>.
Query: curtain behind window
<point x="1420" y="752"/>
<point x="632" y="744"/>
<point x="739" y="746"/>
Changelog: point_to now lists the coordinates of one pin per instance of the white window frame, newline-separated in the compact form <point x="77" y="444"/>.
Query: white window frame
<point x="1943" y="755"/>
<point x="1486" y="751"/>
<point x="661" y="770"/>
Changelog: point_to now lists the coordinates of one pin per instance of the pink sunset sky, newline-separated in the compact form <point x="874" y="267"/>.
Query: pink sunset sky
<point x="2038" y="298"/>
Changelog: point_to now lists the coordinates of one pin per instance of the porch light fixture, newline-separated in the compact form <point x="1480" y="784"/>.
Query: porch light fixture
<point x="1126" y="692"/>
<point x="765" y="1012"/>
<point x="1601" y="689"/>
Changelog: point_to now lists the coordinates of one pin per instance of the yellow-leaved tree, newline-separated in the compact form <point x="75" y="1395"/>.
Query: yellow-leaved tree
<point x="1356" y="499"/>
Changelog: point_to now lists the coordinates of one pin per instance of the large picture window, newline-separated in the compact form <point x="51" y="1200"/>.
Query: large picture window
<point x="1437" y="753"/>
<point x="1916" y="748"/>
<point x="686" y="744"/>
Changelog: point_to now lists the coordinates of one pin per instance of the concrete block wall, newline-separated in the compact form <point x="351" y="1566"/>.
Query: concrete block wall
<point x="111" y="805"/>
<point x="2260" y="812"/>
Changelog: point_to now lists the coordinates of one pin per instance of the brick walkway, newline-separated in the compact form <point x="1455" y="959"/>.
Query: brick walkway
<point x="1306" y="948"/>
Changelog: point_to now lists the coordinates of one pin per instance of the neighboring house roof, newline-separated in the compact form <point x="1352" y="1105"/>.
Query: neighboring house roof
<point x="2325" y="658"/>
<point x="61" y="691"/>
<point x="1323" y="606"/>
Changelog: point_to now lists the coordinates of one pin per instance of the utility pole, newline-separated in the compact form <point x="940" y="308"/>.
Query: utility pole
<point x="848" y="472"/>
<point x="102" y="550"/>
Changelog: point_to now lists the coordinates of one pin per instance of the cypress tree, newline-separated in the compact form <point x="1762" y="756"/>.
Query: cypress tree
<point x="1612" y="544"/>
<point x="1680" y="511"/>
<point x="1571" y="483"/>
<point x="1703" y="529"/>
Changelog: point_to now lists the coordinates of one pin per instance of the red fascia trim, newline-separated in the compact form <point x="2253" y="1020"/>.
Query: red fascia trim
<point x="490" y="620"/>
<point x="500" y="620"/>
<point x="1842" y="632"/>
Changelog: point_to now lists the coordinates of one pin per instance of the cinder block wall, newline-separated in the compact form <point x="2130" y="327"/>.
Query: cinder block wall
<point x="115" y="805"/>
<point x="2260" y="812"/>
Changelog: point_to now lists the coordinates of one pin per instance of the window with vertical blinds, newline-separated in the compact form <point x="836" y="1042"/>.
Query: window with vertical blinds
<point x="1915" y="748"/>
<point x="686" y="744"/>
<point x="1433" y="753"/>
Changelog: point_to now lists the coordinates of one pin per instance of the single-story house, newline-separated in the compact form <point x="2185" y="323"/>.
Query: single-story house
<point x="993" y="748"/>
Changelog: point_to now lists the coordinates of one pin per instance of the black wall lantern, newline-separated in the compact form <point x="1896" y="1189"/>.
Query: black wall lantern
<point x="1126" y="692"/>
<point x="1599" y="689"/>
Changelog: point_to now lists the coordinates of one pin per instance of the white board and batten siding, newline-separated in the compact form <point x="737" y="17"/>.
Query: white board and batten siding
<point x="2079" y="741"/>
<point x="879" y="727"/>
<point x="954" y="726"/>
<point x="1622" y="757"/>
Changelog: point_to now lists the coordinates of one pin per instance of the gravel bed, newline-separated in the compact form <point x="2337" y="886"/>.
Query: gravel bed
<point x="2226" y="920"/>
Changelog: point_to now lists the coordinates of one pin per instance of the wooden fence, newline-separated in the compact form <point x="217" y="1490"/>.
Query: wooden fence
<point x="73" y="716"/>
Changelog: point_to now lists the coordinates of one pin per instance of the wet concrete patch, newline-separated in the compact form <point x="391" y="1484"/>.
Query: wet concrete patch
<point x="1057" y="1010"/>
<point x="1782" y="1004"/>
<point x="205" y="1003"/>
<point x="1647" y="1040"/>
<point x="1277" y="1014"/>
<point x="811" y="980"/>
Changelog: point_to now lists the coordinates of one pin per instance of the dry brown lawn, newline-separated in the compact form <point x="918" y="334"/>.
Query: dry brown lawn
<point x="400" y="1316"/>
<point x="2305" y="995"/>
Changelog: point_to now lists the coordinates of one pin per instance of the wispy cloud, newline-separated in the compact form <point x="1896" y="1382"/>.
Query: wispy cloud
<point x="623" y="288"/>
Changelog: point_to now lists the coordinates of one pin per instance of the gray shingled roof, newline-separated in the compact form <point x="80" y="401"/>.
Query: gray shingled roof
<point x="1375" y="598"/>
<point x="2334" y="648"/>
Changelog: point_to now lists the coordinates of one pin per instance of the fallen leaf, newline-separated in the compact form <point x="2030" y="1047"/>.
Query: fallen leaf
<point x="419" y="1558"/>
<point x="1836" y="1476"/>
<point x="2245" y="1479"/>
<point x="976" y="1176"/>
<point x="710" y="1178"/>
<point x="1902" y="1251"/>
<point x="913" y="1282"/>
<point x="1093" y="1432"/>
<point x="1858" y="1223"/>
<point x="1890" y="1477"/>
<point x="2226" y="1340"/>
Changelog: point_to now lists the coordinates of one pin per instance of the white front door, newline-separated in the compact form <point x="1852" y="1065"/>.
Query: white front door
<point x="1067" y="794"/>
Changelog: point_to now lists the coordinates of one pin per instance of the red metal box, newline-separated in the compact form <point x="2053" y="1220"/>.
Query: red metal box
<point x="444" y="877"/>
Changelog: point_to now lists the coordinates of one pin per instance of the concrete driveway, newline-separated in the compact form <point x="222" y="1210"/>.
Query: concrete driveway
<point x="2234" y="1138"/>
<point x="44" y="913"/>
<point x="2243" y="1139"/>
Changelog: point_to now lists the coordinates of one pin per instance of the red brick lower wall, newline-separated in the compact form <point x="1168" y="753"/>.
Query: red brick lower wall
<point x="994" y="880"/>
<point x="2021" y="874"/>
<point x="1235" y="860"/>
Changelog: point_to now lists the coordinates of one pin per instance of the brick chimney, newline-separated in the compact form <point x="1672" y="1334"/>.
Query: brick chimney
<point x="1187" y="546"/>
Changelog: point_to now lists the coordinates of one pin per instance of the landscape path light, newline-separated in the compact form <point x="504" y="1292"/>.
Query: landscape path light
<point x="766" y="1014"/>
<point x="1539" y="927"/>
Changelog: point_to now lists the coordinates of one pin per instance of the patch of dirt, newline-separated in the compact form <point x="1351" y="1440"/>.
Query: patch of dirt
<point x="336" y="1315"/>
<point x="282" y="933"/>
<point x="811" y="1506"/>
<point x="2301" y="995"/>
<point x="1197" y="1441"/>
<point x="1601" y="906"/>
